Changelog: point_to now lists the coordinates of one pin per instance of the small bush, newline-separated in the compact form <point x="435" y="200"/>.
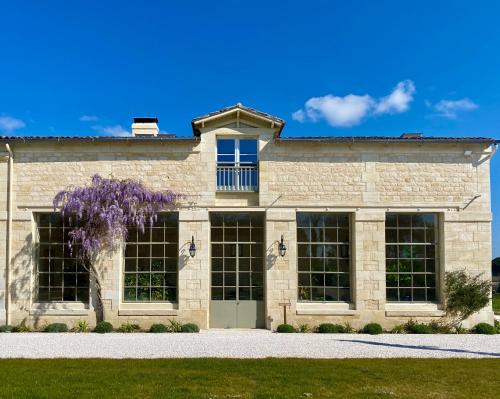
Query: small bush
<point x="190" y="328"/>
<point x="398" y="329"/>
<point x="497" y="326"/>
<point x="348" y="328"/>
<point x="329" y="328"/>
<point x="484" y="328"/>
<point x="21" y="328"/>
<point x="373" y="329"/>
<point x="103" y="327"/>
<point x="461" y="330"/>
<point x="465" y="295"/>
<point x="174" y="326"/>
<point x="421" y="328"/>
<point x="129" y="328"/>
<point x="56" y="328"/>
<point x="441" y="328"/>
<point x="6" y="329"/>
<point x="305" y="328"/>
<point x="412" y="327"/>
<point x="158" y="328"/>
<point x="285" y="328"/>
<point x="81" y="327"/>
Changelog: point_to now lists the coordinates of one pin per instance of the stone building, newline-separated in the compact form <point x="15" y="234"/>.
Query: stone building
<point x="370" y="225"/>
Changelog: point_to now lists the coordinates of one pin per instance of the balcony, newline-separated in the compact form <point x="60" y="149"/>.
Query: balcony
<point x="242" y="178"/>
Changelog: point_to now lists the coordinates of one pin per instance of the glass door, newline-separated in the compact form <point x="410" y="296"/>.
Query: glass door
<point x="237" y="275"/>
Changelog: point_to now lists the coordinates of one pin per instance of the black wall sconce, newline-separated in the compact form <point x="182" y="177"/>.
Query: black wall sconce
<point x="282" y="247"/>
<point x="192" y="248"/>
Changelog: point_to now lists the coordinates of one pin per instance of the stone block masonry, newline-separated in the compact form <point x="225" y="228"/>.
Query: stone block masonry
<point x="364" y="180"/>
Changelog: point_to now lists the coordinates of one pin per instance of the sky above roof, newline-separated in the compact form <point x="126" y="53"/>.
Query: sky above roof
<point x="326" y="67"/>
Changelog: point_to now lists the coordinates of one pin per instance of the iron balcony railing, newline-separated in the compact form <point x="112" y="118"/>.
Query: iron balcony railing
<point x="237" y="177"/>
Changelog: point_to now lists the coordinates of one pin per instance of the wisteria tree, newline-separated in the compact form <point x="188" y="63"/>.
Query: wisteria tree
<point x="100" y="215"/>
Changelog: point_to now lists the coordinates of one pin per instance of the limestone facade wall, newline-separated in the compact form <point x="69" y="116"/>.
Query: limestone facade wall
<point x="365" y="180"/>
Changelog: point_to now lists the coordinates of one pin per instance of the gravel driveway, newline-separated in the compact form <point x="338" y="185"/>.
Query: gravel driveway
<point x="245" y="344"/>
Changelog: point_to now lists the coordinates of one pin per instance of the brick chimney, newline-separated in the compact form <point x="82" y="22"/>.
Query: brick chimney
<point x="145" y="127"/>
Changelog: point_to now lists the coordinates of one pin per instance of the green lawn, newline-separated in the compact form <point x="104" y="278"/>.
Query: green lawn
<point x="496" y="303"/>
<point x="270" y="378"/>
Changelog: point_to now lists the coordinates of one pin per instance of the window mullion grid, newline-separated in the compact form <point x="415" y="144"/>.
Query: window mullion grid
<point x="422" y="274"/>
<point x="322" y="242"/>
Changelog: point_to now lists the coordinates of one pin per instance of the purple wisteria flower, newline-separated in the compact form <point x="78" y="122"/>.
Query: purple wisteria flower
<point x="102" y="212"/>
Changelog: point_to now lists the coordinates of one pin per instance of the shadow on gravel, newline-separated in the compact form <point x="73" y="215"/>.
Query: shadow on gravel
<point x="420" y="347"/>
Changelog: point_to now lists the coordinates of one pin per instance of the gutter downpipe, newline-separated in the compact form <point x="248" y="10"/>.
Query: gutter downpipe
<point x="9" y="234"/>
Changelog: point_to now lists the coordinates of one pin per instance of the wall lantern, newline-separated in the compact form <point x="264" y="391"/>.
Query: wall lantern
<point x="192" y="248"/>
<point x="282" y="247"/>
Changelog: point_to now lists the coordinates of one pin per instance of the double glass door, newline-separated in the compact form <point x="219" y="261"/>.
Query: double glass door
<point x="237" y="275"/>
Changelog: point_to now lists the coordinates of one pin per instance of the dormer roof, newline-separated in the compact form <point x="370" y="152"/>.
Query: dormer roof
<point x="239" y="112"/>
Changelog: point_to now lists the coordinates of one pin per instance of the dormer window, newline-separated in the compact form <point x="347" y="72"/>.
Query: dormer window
<point x="237" y="164"/>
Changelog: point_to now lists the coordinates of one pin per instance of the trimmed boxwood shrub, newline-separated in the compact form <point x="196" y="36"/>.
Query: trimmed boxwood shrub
<point x="421" y="328"/>
<point x="56" y="328"/>
<point x="103" y="327"/>
<point x="6" y="328"/>
<point x="190" y="328"/>
<point x="484" y="328"/>
<point x="329" y="328"/>
<point x="373" y="329"/>
<point x="285" y="328"/>
<point x="158" y="328"/>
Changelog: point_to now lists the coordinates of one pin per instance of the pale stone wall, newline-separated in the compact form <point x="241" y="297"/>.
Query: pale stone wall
<point x="383" y="175"/>
<point x="365" y="180"/>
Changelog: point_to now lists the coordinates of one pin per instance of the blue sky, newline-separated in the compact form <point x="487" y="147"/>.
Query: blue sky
<point x="327" y="67"/>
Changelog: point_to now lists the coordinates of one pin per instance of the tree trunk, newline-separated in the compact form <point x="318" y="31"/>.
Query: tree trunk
<point x="99" y="309"/>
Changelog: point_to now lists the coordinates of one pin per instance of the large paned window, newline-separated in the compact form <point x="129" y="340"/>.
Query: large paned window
<point x="60" y="276"/>
<point x="323" y="241"/>
<point x="151" y="260"/>
<point x="411" y="256"/>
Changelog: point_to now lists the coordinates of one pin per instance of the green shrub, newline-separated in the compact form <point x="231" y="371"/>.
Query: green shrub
<point x="190" y="328"/>
<point x="484" y="328"/>
<point x="103" y="327"/>
<point x="373" y="329"/>
<point x="21" y="328"/>
<point x="82" y="327"/>
<point x="174" y="326"/>
<point x="441" y="328"/>
<point x="129" y="328"/>
<point x="461" y="330"/>
<point x="158" y="328"/>
<point x="421" y="328"/>
<point x="412" y="327"/>
<point x="6" y="328"/>
<point x="56" y="328"/>
<point x="497" y="326"/>
<point x="398" y="329"/>
<point x="348" y="328"/>
<point x="305" y="328"/>
<point x="465" y="295"/>
<point x="285" y="328"/>
<point x="329" y="328"/>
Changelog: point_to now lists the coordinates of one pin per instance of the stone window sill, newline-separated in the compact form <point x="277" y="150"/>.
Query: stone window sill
<point x="324" y="309"/>
<point x="59" y="309"/>
<point x="413" y="310"/>
<point x="148" y="309"/>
